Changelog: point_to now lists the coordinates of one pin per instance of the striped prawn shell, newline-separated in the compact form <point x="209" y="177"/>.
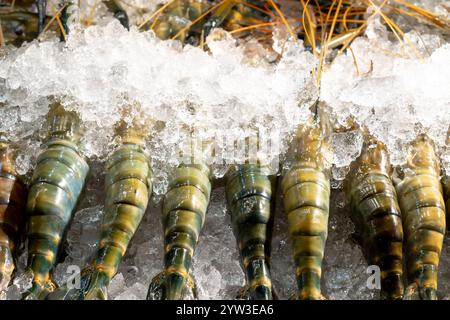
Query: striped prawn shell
<point x="13" y="195"/>
<point x="249" y="197"/>
<point x="446" y="179"/>
<point x="377" y="217"/>
<point x="55" y="187"/>
<point x="183" y="215"/>
<point x="447" y="195"/>
<point x="423" y="209"/>
<point x="306" y="196"/>
<point x="306" y="203"/>
<point x="128" y="186"/>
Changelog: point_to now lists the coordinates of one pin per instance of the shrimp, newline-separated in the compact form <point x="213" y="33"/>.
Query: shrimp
<point x="306" y="191"/>
<point x="183" y="215"/>
<point x="421" y="202"/>
<point x="376" y="214"/>
<point x="446" y="179"/>
<point x="55" y="187"/>
<point x="128" y="187"/>
<point x="13" y="197"/>
<point x="249" y="196"/>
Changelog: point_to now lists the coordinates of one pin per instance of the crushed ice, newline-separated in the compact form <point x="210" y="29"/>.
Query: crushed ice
<point x="101" y="69"/>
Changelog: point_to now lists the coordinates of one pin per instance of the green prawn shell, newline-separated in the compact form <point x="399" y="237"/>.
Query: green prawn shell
<point x="55" y="187"/>
<point x="377" y="217"/>
<point x="447" y="195"/>
<point x="183" y="215"/>
<point x="421" y="201"/>
<point x="306" y="191"/>
<point x="249" y="197"/>
<point x="446" y="180"/>
<point x="13" y="195"/>
<point x="128" y="186"/>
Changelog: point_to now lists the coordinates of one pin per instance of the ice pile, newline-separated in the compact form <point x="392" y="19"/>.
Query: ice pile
<point x="101" y="70"/>
<point x="396" y="90"/>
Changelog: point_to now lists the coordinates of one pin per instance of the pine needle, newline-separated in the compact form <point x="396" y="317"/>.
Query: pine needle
<point x="310" y="26"/>
<point x="283" y="18"/>
<point x="324" y="48"/>
<point x="2" y="38"/>
<point x="395" y="28"/>
<point x="254" y="26"/>
<point x="56" y="15"/>
<point x="355" y="62"/>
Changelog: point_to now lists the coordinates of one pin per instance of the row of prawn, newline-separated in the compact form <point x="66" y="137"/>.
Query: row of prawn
<point x="392" y="215"/>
